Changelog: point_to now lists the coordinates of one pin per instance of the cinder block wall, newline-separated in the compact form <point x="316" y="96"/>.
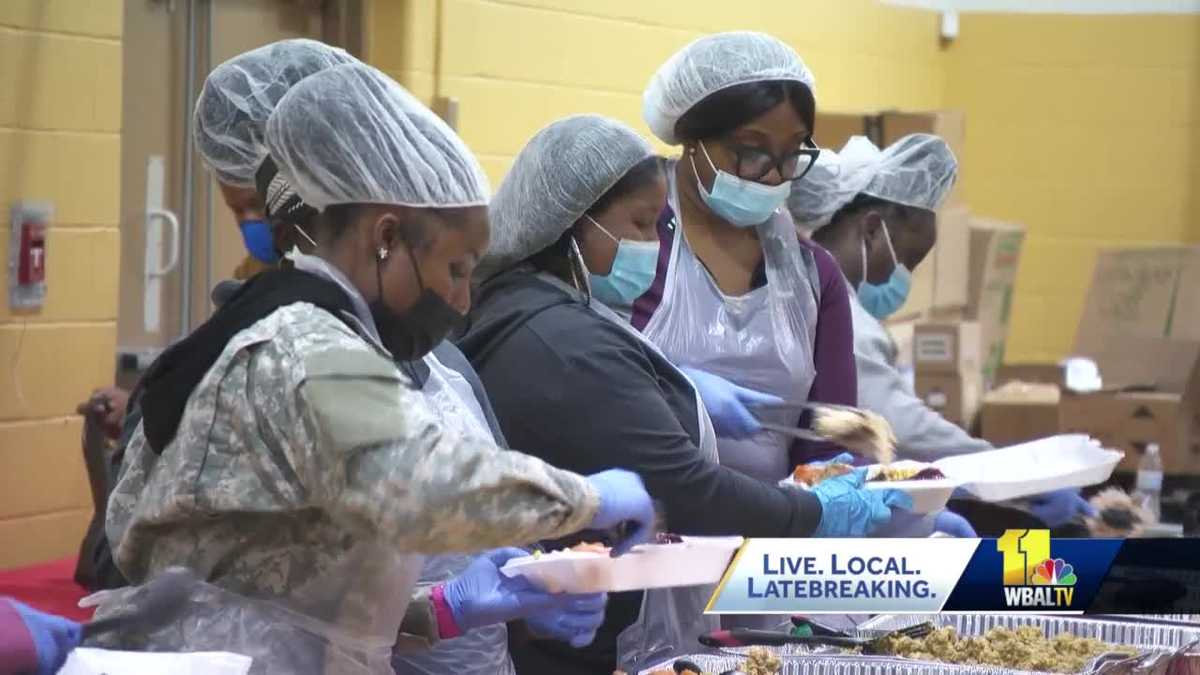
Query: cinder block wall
<point x="60" y="137"/>
<point x="1087" y="130"/>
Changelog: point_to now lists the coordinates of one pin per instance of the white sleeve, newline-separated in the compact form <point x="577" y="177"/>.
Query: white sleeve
<point x="921" y="433"/>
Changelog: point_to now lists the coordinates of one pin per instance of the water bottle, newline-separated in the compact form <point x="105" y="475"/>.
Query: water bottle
<point x="1149" y="481"/>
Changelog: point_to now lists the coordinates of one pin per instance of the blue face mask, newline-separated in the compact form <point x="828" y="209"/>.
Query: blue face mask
<point x="256" y="235"/>
<point x="632" y="271"/>
<point x="884" y="300"/>
<point x="744" y="203"/>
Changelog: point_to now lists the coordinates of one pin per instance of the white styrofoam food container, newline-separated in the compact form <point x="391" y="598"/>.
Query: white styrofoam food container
<point x="927" y="495"/>
<point x="91" y="661"/>
<point x="1054" y="463"/>
<point x="694" y="562"/>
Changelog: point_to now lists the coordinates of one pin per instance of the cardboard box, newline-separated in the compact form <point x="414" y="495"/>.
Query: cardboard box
<point x="1151" y="396"/>
<point x="949" y="125"/>
<point x="1036" y="373"/>
<point x="834" y="129"/>
<point x="955" y="395"/>
<point x="1129" y="421"/>
<point x="995" y="253"/>
<point x="946" y="348"/>
<point x="1020" y="412"/>
<point x="1151" y="292"/>
<point x="941" y="281"/>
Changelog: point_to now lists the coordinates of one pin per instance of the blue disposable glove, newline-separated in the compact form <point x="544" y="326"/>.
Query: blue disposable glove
<point x="483" y="596"/>
<point x="728" y="404"/>
<point x="53" y="636"/>
<point x="623" y="500"/>
<point x="259" y="241"/>
<point x="1060" y="507"/>
<point x="574" y="621"/>
<point x="849" y="510"/>
<point x="949" y="522"/>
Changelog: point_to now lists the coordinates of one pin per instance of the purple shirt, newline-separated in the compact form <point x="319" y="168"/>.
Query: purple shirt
<point x="17" y="651"/>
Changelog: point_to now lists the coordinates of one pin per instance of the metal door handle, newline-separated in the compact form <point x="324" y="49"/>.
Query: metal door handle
<point x="173" y="221"/>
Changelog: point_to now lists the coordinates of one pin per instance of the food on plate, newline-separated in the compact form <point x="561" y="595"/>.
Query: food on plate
<point x="860" y="431"/>
<point x="811" y="474"/>
<point x="892" y="474"/>
<point x="761" y="661"/>
<point x="589" y="547"/>
<point x="1024" y="648"/>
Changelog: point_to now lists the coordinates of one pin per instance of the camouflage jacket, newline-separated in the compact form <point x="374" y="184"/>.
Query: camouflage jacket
<point x="305" y="474"/>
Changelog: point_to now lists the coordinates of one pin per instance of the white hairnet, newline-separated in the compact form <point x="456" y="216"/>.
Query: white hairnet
<point x="352" y="135"/>
<point x="918" y="170"/>
<point x="559" y="174"/>
<point x="240" y="94"/>
<point x="713" y="63"/>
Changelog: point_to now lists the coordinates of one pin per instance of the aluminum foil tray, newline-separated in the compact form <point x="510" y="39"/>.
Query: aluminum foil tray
<point x="828" y="664"/>
<point x="1140" y="635"/>
<point x="1160" y="644"/>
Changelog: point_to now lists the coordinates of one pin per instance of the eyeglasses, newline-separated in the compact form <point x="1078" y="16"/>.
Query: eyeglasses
<point x="755" y="163"/>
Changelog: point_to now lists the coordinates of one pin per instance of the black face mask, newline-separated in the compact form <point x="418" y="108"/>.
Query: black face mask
<point x="413" y="333"/>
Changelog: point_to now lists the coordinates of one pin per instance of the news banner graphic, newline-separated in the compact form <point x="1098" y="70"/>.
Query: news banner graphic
<point x="1022" y="571"/>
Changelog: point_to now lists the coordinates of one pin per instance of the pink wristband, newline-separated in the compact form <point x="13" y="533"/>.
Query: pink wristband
<point x="447" y="626"/>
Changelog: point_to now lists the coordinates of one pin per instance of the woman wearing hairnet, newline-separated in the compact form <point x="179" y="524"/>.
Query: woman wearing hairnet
<point x="285" y="457"/>
<point x="573" y="223"/>
<point x="875" y="211"/>
<point x="231" y="118"/>
<point x="737" y="294"/>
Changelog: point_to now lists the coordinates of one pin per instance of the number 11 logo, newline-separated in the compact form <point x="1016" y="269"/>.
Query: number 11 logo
<point x="1023" y="551"/>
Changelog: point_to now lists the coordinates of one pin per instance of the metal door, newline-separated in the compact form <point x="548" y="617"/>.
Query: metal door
<point x="177" y="237"/>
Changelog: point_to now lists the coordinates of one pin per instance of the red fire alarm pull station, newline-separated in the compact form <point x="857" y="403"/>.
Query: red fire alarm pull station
<point x="27" y="255"/>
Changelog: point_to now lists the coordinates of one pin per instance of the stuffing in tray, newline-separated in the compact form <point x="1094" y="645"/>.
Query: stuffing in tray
<point x="1024" y="648"/>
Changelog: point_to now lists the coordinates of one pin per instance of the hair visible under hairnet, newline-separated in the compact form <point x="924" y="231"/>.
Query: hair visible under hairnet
<point x="240" y="94"/>
<point x="918" y="170"/>
<point x="559" y="174"/>
<point x="351" y="135"/>
<point x="713" y="63"/>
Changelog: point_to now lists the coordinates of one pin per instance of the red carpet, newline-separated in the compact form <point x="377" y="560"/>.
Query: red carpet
<point x="49" y="587"/>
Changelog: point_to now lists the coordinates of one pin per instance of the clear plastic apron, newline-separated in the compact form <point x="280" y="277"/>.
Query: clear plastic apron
<point x="483" y="651"/>
<point x="762" y="340"/>
<point x="671" y="619"/>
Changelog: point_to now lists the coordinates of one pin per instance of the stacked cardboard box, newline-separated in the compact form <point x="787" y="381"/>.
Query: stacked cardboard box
<point x="946" y="362"/>
<point x="995" y="253"/>
<point x="1141" y="324"/>
<point x="1020" y="411"/>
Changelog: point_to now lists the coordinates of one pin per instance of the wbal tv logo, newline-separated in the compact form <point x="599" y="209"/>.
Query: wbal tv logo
<point x="1032" y="578"/>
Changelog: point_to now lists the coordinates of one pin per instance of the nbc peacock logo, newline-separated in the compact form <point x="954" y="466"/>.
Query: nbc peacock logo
<point x="1032" y="578"/>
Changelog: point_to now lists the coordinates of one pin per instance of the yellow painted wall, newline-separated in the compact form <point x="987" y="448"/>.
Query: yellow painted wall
<point x="515" y="66"/>
<point x="60" y="131"/>
<point x="1087" y="130"/>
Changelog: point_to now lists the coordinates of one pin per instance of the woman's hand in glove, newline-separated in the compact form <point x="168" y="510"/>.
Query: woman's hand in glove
<point x="482" y="595"/>
<point x="1060" y="507"/>
<point x="850" y="510"/>
<point x="728" y="404"/>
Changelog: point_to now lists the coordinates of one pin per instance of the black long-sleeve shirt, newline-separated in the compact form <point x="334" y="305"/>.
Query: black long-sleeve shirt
<point x="584" y="394"/>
